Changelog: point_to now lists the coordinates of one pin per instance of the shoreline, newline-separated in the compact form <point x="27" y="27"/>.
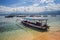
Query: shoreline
<point x="30" y="35"/>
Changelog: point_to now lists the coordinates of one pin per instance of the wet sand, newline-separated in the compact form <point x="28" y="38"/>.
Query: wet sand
<point x="30" y="35"/>
<point x="47" y="36"/>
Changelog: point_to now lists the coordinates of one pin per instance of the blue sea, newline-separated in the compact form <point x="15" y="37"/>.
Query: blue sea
<point x="12" y="29"/>
<point x="8" y="24"/>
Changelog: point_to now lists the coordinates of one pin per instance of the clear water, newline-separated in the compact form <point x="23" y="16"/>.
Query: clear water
<point x="9" y="24"/>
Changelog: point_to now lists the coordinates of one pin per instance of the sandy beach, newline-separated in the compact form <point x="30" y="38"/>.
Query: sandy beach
<point x="29" y="35"/>
<point x="47" y="36"/>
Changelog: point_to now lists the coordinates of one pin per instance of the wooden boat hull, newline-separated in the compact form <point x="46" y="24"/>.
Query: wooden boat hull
<point x="32" y="25"/>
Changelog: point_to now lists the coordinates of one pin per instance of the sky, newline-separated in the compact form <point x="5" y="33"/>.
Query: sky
<point x="29" y="6"/>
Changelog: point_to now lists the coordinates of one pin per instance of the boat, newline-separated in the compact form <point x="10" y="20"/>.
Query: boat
<point x="36" y="23"/>
<point x="9" y="16"/>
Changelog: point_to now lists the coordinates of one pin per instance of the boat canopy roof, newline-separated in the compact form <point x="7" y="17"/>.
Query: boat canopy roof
<point x="35" y="18"/>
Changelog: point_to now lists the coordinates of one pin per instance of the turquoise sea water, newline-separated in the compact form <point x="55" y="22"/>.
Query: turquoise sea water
<point x="9" y="24"/>
<point x="12" y="29"/>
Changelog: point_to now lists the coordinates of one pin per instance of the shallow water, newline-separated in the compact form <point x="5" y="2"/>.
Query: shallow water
<point x="11" y="29"/>
<point x="12" y="23"/>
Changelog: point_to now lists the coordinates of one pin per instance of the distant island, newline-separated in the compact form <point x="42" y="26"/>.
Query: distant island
<point x="42" y="13"/>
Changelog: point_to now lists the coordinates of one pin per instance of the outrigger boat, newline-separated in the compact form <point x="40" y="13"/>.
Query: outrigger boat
<point x="36" y="23"/>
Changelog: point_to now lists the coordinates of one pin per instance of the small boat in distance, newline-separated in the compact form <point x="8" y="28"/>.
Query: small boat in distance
<point x="36" y="23"/>
<point x="9" y="16"/>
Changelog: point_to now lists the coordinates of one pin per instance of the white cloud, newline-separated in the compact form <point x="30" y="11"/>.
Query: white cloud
<point x="47" y="1"/>
<point x="6" y="9"/>
<point x="53" y="7"/>
<point x="28" y="9"/>
<point x="34" y="2"/>
<point x="50" y="1"/>
<point x="43" y="1"/>
<point x="35" y="5"/>
<point x="34" y="8"/>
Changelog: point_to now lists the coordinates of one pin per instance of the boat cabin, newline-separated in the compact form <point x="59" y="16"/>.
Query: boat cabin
<point x="36" y="22"/>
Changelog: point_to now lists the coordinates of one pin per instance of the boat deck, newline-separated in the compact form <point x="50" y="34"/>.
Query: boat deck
<point x="34" y="25"/>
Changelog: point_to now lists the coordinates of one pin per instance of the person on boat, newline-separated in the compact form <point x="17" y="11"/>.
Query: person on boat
<point x="38" y="23"/>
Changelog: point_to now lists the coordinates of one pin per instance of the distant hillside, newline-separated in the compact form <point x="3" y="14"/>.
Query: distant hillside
<point x="42" y="13"/>
<point x="51" y="13"/>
